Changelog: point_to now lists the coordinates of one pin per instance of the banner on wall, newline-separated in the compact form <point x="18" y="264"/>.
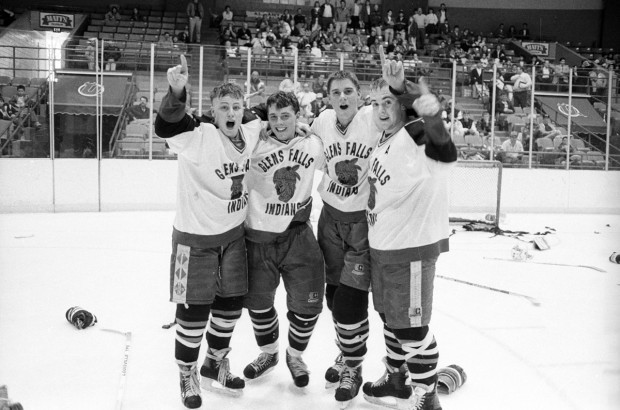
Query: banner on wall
<point x="537" y="49"/>
<point x="56" y="20"/>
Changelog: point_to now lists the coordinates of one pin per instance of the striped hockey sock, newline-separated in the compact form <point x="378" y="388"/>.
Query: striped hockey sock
<point x="266" y="327"/>
<point x="191" y="324"/>
<point x="422" y="357"/>
<point x="221" y="328"/>
<point x="352" y="341"/>
<point x="395" y="354"/>
<point x="300" y="329"/>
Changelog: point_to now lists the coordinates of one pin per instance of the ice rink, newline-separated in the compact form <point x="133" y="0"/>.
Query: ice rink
<point x="564" y="354"/>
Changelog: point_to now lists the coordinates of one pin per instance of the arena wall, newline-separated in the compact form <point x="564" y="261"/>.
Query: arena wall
<point x="42" y="185"/>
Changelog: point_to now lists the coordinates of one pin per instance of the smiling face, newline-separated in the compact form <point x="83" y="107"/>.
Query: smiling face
<point x="387" y="113"/>
<point x="282" y="122"/>
<point x="344" y="97"/>
<point x="227" y="114"/>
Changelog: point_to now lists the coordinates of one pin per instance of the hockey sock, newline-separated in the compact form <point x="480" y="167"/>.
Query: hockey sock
<point x="421" y="354"/>
<point x="191" y="323"/>
<point x="351" y="316"/>
<point x="330" y="290"/>
<point x="395" y="355"/>
<point x="266" y="327"/>
<point x="300" y="329"/>
<point x="224" y="315"/>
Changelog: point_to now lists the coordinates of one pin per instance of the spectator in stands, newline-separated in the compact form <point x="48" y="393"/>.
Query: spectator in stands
<point x="327" y="13"/>
<point x="521" y="87"/>
<point x="546" y="128"/>
<point x="561" y="74"/>
<point x="195" y="13"/>
<point x="257" y="86"/>
<point x="476" y="80"/>
<point x="511" y="150"/>
<point x="319" y="86"/>
<point x="263" y="24"/>
<point x="598" y="82"/>
<point x="342" y="18"/>
<point x="442" y="13"/>
<point x="356" y="11"/>
<point x="318" y="105"/>
<point x="179" y="45"/>
<point x="111" y="54"/>
<point x="499" y="55"/>
<point x="165" y="42"/>
<point x="430" y="22"/>
<point x="456" y="35"/>
<point x="305" y="97"/>
<point x="544" y="76"/>
<point x="376" y="19"/>
<point x="228" y="34"/>
<point x="303" y="42"/>
<point x="112" y="16"/>
<point x="388" y="26"/>
<point x="401" y="23"/>
<point x="503" y="105"/>
<point x="299" y="18"/>
<point x="512" y="32"/>
<point x="140" y="112"/>
<point x="183" y="35"/>
<point x="227" y="16"/>
<point x="483" y="125"/>
<point x="7" y="113"/>
<point x="22" y="104"/>
<point x="413" y="33"/>
<point x="501" y="31"/>
<point x="231" y="51"/>
<point x="365" y="17"/>
<point x="524" y="33"/>
<point x="315" y="17"/>
<point x="284" y="28"/>
<point x="244" y="35"/>
<point x="288" y="17"/>
<point x="257" y="42"/>
<point x="444" y="29"/>
<point x="135" y="15"/>
<point x="564" y="147"/>
<point x="315" y="50"/>
<point x="420" y="20"/>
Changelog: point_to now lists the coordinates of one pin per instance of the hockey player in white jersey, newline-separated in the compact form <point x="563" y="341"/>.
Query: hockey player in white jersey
<point x="349" y="137"/>
<point x="279" y="239"/>
<point x="208" y="268"/>
<point x="408" y="229"/>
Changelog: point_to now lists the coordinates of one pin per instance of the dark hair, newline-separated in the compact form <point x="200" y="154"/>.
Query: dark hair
<point x="343" y="75"/>
<point x="225" y="89"/>
<point x="282" y="99"/>
<point x="21" y="87"/>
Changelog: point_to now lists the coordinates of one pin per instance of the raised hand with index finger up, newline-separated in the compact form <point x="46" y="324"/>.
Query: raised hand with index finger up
<point x="178" y="77"/>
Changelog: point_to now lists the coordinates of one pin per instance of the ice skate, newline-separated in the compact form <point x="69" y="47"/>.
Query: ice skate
<point x="391" y="390"/>
<point x="332" y="375"/>
<point x="349" y="385"/>
<point x="190" y="387"/>
<point x="298" y="370"/>
<point x="263" y="364"/>
<point x="216" y="376"/>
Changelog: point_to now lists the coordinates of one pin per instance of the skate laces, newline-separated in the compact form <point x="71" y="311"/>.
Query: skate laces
<point x="419" y="395"/>
<point x="297" y="366"/>
<point x="224" y="374"/>
<point x="189" y="379"/>
<point x="339" y="363"/>
<point x="263" y="361"/>
<point x="348" y="377"/>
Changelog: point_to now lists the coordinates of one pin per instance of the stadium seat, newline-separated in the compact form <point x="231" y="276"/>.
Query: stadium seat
<point x="131" y="146"/>
<point x="595" y="159"/>
<point x="20" y="81"/>
<point x="5" y="80"/>
<point x="474" y="141"/>
<point x="135" y="131"/>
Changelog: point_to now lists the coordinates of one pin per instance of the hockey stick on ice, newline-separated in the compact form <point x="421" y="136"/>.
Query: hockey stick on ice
<point x="548" y="263"/>
<point x="123" y="381"/>
<point x="530" y="299"/>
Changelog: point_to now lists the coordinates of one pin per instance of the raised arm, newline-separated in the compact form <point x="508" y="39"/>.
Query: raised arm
<point x="172" y="119"/>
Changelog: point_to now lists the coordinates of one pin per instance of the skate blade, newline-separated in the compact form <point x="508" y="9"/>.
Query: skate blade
<point x="344" y="404"/>
<point x="266" y="372"/>
<point x="215" y="387"/>
<point x="392" y="403"/>
<point x="330" y="385"/>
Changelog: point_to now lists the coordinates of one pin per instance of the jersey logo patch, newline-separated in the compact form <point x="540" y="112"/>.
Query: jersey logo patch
<point x="285" y="181"/>
<point x="347" y="171"/>
<point x="373" y="192"/>
<point x="313" y="297"/>
<point x="236" y="189"/>
<point x="358" y="269"/>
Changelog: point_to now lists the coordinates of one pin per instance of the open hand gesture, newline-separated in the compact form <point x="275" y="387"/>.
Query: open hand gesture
<point x="178" y="77"/>
<point x="393" y="72"/>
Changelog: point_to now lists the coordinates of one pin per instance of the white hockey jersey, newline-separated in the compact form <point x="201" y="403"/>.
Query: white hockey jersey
<point x="280" y="184"/>
<point x="408" y="202"/>
<point x="212" y="193"/>
<point x="345" y="184"/>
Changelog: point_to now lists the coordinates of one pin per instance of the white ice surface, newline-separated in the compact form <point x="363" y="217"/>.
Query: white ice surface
<point x="564" y="354"/>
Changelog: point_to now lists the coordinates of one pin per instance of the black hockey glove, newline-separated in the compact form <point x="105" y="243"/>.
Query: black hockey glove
<point x="80" y="318"/>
